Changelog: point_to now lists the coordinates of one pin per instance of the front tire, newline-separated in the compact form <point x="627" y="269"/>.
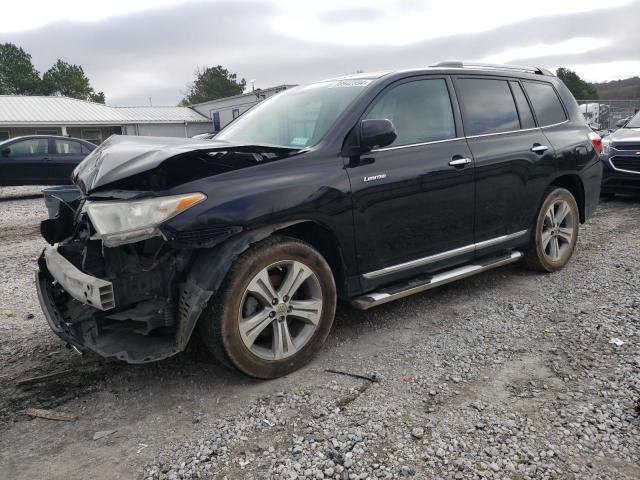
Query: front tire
<point x="274" y="310"/>
<point x="555" y="234"/>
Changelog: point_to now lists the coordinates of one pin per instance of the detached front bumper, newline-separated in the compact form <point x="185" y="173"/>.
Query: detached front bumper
<point x="137" y="318"/>
<point x="90" y="290"/>
<point x="53" y="315"/>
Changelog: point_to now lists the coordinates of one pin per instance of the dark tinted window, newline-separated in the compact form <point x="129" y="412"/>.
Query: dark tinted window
<point x="545" y="103"/>
<point x="421" y="111"/>
<point x="34" y="146"/>
<point x="86" y="149"/>
<point x="526" y="117"/>
<point x="487" y="106"/>
<point x="216" y="121"/>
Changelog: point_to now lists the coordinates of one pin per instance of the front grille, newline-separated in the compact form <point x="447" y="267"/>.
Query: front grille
<point x="627" y="146"/>
<point x="631" y="164"/>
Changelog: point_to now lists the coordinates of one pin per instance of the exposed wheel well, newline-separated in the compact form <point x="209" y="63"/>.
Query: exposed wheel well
<point x="323" y="240"/>
<point x="574" y="185"/>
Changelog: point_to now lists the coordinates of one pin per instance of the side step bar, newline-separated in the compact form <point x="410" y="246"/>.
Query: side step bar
<point x="420" y="284"/>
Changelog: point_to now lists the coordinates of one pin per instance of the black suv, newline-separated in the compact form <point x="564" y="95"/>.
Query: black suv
<point x="365" y="188"/>
<point x="621" y="159"/>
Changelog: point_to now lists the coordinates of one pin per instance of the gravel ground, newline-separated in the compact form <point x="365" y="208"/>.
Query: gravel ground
<point x="509" y="374"/>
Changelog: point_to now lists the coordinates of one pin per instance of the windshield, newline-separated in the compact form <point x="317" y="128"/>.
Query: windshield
<point x="295" y="118"/>
<point x="634" y="122"/>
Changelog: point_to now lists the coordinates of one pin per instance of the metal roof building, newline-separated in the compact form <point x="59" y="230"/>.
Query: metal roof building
<point x="27" y="115"/>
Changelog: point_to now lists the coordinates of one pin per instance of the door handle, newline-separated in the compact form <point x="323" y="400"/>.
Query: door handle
<point x="539" y="148"/>
<point x="460" y="162"/>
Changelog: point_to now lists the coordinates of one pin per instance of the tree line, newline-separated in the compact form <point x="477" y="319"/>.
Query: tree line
<point x="18" y="76"/>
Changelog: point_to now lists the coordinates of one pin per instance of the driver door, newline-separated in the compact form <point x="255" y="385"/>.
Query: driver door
<point x="414" y="199"/>
<point x="25" y="162"/>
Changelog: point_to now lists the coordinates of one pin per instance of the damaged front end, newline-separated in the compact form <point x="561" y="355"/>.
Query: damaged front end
<point x="133" y="301"/>
<point x="128" y="271"/>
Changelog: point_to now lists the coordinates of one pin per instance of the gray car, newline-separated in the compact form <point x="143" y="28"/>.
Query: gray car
<point x="621" y="159"/>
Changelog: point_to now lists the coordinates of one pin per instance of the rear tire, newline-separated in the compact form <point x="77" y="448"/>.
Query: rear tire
<point x="555" y="233"/>
<point x="274" y="309"/>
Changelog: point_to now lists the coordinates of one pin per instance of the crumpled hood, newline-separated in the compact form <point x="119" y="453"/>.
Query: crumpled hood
<point x="122" y="156"/>
<point x="625" y="135"/>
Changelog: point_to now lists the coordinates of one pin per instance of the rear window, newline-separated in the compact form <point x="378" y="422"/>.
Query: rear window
<point x="68" y="147"/>
<point x="545" y="103"/>
<point x="487" y="106"/>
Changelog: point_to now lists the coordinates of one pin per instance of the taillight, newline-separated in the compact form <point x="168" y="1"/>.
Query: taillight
<point x="596" y="141"/>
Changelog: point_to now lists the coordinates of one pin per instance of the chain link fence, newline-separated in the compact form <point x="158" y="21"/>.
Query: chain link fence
<point x="605" y="114"/>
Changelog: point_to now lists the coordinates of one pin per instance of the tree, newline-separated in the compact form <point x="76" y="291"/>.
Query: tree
<point x="213" y="83"/>
<point x="578" y="87"/>
<point x="70" y="81"/>
<point x="17" y="74"/>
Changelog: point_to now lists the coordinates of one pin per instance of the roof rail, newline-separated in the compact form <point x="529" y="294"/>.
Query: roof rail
<point x="509" y="68"/>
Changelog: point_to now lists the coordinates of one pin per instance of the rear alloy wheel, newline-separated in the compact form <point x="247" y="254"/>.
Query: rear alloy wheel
<point x="556" y="232"/>
<point x="274" y="310"/>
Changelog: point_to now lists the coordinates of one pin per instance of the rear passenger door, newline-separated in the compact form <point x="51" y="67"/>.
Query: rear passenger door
<point x="513" y="159"/>
<point x="66" y="155"/>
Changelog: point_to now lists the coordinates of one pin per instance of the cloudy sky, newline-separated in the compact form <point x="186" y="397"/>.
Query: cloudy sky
<point x="136" y="49"/>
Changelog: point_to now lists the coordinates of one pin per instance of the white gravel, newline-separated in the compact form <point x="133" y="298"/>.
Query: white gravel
<point x="510" y="374"/>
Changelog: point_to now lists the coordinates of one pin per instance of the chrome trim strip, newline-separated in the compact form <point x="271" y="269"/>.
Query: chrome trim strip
<point x="462" y="138"/>
<point x="502" y="133"/>
<point x="374" y="299"/>
<point x="501" y="239"/>
<point x="621" y="169"/>
<point x="556" y="124"/>
<point x="443" y="255"/>
<point x="415" y="145"/>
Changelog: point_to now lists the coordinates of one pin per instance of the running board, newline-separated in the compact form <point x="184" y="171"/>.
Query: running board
<point x="388" y="294"/>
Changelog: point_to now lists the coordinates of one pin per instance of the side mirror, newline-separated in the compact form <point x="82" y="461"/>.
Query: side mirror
<point x="6" y="151"/>
<point x="376" y="133"/>
<point x="621" y="123"/>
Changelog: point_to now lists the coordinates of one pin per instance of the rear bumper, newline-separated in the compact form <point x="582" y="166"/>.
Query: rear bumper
<point x="592" y="182"/>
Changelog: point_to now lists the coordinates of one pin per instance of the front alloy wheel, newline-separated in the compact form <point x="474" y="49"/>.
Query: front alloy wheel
<point x="280" y="310"/>
<point x="274" y="310"/>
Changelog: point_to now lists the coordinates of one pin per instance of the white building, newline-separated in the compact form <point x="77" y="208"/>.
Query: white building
<point x="224" y="110"/>
<point x="48" y="115"/>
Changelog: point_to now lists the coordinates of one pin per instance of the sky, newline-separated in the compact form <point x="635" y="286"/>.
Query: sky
<point x="138" y="51"/>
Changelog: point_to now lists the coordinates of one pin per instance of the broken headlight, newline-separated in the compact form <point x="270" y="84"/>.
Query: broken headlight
<point x="127" y="221"/>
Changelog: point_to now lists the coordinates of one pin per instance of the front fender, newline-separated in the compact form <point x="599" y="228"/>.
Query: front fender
<point x="209" y="267"/>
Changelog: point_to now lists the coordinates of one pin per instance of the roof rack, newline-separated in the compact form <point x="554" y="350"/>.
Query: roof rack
<point x="508" y="68"/>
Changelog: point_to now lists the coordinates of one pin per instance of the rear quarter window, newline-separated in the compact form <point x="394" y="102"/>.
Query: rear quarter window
<point x="546" y="104"/>
<point x="526" y="117"/>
